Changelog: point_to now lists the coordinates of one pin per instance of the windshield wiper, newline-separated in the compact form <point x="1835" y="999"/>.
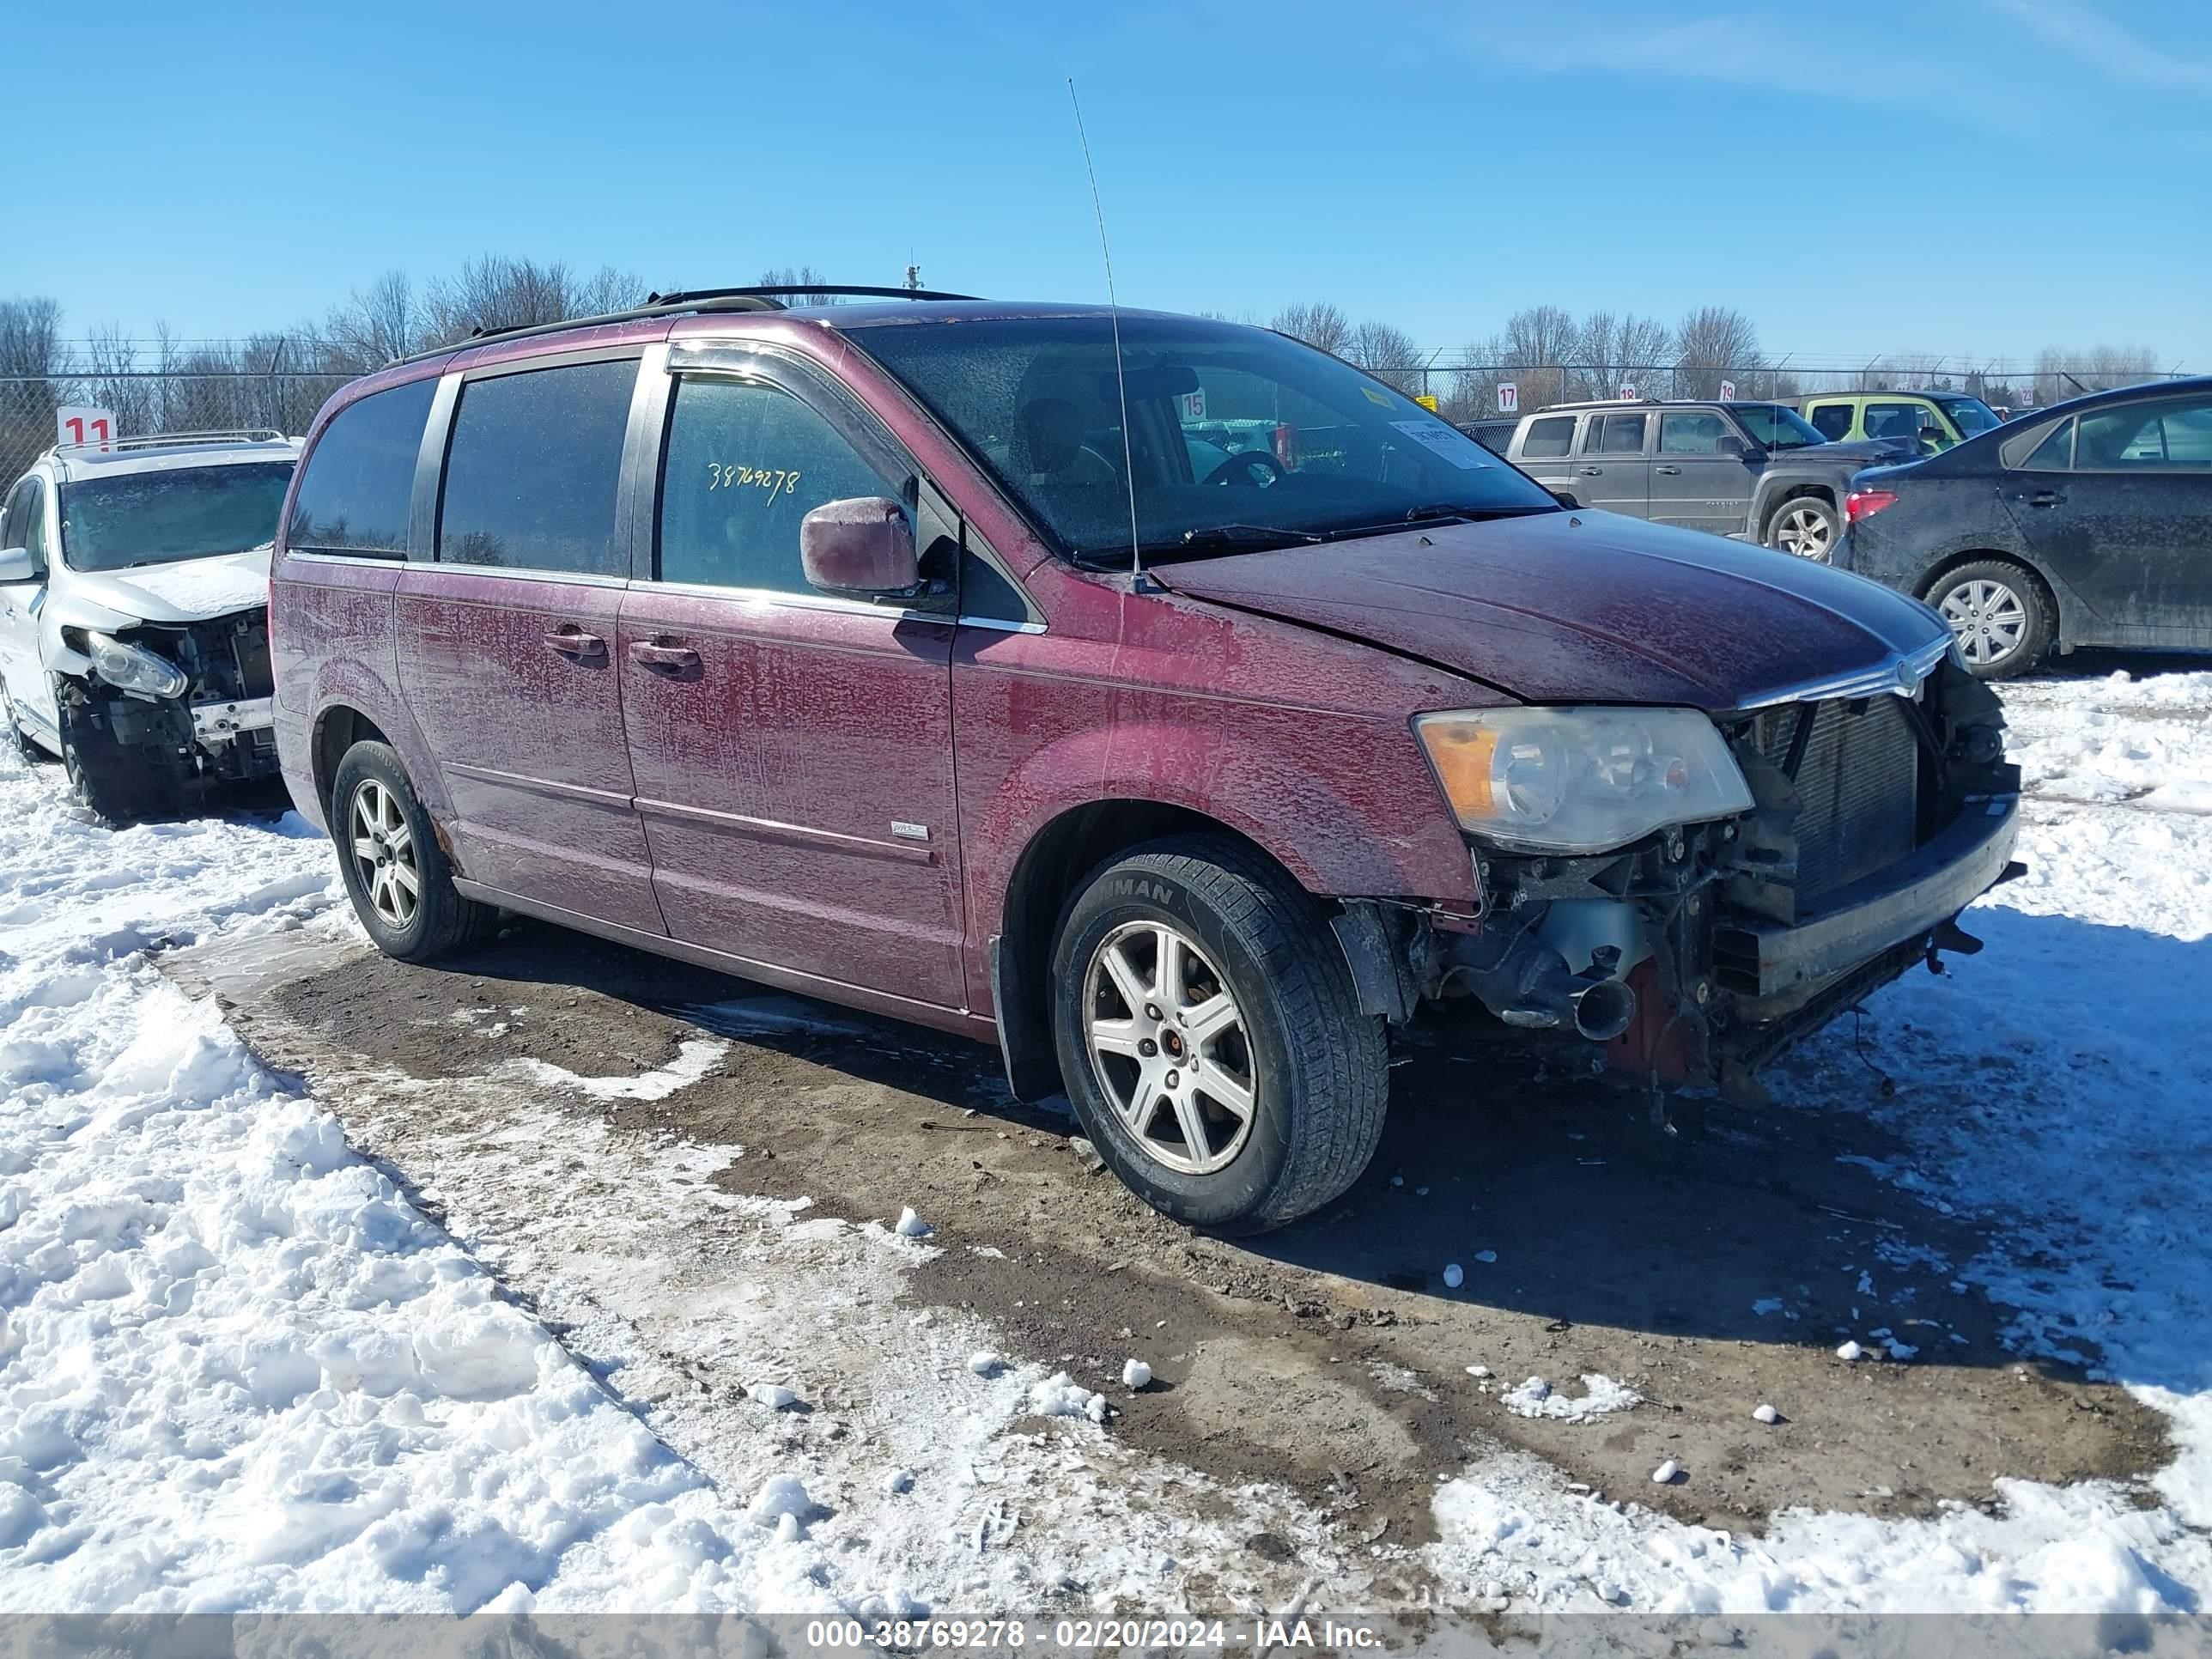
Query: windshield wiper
<point x="1459" y="510"/>
<point x="1243" y="538"/>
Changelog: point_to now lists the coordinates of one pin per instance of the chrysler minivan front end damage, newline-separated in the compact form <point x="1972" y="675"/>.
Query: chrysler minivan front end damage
<point x="1685" y="895"/>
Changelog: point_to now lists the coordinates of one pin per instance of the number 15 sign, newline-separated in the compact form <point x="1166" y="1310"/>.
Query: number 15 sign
<point x="77" y="423"/>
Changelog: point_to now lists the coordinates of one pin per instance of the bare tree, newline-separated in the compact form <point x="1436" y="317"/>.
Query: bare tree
<point x="375" y="325"/>
<point x="1711" y="341"/>
<point x="1390" y="354"/>
<point x="799" y="276"/>
<point x="499" y="292"/>
<point x="1611" y="350"/>
<point x="2062" y="372"/>
<point x="30" y="345"/>
<point x="1322" y="325"/>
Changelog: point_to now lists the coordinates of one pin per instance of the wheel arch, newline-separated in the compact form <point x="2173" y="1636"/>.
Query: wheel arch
<point x="1786" y="490"/>
<point x="1047" y="875"/>
<point x="2054" y="596"/>
<point x="337" y="728"/>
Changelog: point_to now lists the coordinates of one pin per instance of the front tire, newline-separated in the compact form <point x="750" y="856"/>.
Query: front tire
<point x="1999" y="615"/>
<point x="1805" y="526"/>
<point x="1210" y="1038"/>
<point x="117" y="783"/>
<point x="395" y="869"/>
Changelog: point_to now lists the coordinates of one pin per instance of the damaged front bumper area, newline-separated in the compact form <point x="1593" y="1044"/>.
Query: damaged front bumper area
<point x="219" y="728"/>
<point x="1700" y="953"/>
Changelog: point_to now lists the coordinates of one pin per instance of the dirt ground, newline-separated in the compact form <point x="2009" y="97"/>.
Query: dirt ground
<point x="1329" y="1357"/>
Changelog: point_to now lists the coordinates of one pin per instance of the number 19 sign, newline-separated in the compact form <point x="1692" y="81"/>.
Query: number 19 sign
<point x="78" y="423"/>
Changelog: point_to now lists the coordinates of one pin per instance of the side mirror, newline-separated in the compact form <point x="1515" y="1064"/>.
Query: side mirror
<point x="862" y="546"/>
<point x="1728" y="444"/>
<point x="16" y="565"/>
<point x="1566" y="498"/>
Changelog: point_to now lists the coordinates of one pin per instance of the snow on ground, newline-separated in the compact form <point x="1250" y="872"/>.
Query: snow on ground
<point x="239" y="1369"/>
<point x="2060" y="1086"/>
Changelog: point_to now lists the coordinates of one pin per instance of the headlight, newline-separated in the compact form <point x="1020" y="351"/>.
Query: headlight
<point x="130" y="669"/>
<point x="1581" y="780"/>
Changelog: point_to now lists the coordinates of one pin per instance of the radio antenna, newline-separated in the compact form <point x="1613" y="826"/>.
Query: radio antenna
<point x="1114" y="311"/>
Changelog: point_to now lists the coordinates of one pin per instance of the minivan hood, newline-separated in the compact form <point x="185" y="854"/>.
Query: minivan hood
<point x="1584" y="607"/>
<point x="190" y="590"/>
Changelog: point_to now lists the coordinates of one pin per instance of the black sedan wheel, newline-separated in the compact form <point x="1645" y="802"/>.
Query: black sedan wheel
<point x="1998" y="612"/>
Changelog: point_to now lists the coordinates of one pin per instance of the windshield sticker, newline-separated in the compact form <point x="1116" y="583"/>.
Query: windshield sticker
<point x="775" y="480"/>
<point x="1377" y="399"/>
<point x="1448" y="441"/>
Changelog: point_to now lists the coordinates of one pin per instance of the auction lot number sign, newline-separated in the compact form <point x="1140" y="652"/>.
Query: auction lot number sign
<point x="80" y="423"/>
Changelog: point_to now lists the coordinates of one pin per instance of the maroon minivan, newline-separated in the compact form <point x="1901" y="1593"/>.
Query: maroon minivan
<point x="1172" y="704"/>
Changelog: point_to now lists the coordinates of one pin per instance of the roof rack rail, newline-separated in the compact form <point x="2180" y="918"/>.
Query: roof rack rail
<point x="689" y="302"/>
<point x="803" y="291"/>
<point x="1615" y="403"/>
<point x="260" y="434"/>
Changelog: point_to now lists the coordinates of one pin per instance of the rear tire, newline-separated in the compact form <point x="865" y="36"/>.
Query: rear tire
<point x="1999" y="614"/>
<point x="395" y="868"/>
<point x="1263" y="1096"/>
<point x="1805" y="526"/>
<point x="26" y="745"/>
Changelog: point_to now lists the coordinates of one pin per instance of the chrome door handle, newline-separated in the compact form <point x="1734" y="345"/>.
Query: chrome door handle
<point x="576" y="643"/>
<point x="671" y="659"/>
<point x="1669" y="471"/>
<point x="2047" y="498"/>
<point x="1591" y="471"/>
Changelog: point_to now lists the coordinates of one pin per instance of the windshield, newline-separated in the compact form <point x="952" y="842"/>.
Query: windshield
<point x="1969" y="415"/>
<point x="1776" y="426"/>
<point x="1237" y="438"/>
<point x="180" y="512"/>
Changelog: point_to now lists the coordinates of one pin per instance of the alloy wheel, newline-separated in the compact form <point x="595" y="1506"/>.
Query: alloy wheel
<point x="384" y="853"/>
<point x="1803" y="532"/>
<point x="1169" y="1048"/>
<point x="1989" y="617"/>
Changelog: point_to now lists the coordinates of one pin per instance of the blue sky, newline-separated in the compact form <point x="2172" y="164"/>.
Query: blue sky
<point x="1978" y="177"/>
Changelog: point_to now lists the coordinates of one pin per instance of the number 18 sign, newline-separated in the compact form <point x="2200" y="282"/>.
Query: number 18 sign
<point x="79" y="423"/>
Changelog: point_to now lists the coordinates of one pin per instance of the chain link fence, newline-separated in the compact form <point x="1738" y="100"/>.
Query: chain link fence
<point x="148" y="402"/>
<point x="1469" y="392"/>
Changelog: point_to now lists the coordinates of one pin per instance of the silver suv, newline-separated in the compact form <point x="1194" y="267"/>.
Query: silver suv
<point x="1753" y="471"/>
<point x="134" y="626"/>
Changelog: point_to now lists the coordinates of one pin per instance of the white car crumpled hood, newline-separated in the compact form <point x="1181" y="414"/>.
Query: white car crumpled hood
<point x="191" y="590"/>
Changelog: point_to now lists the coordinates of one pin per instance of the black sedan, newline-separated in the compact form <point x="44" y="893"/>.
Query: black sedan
<point x="2087" y="523"/>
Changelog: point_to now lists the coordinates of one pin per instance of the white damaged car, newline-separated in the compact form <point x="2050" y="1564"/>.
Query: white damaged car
<point x="134" y="621"/>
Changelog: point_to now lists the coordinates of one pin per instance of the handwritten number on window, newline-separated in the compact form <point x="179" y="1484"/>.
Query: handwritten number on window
<point x="775" y="480"/>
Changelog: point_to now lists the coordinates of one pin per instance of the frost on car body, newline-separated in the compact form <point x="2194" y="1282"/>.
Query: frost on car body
<point x="1282" y="711"/>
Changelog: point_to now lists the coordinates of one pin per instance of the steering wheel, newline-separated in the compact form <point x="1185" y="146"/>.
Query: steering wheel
<point x="1238" y="468"/>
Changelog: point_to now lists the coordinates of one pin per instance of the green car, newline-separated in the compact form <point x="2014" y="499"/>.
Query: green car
<point x="1938" y="419"/>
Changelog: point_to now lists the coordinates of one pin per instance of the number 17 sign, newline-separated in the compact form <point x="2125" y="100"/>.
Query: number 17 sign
<point x="78" y="423"/>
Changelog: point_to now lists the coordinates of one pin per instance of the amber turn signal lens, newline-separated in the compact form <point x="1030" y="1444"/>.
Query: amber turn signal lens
<point x="1464" y="756"/>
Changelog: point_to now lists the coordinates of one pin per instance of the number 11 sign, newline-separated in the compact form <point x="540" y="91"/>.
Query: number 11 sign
<point x="76" y="423"/>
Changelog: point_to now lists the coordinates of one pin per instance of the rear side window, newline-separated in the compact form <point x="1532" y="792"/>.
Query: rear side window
<point x="2147" y="436"/>
<point x="1831" y="421"/>
<point x="1892" y="420"/>
<point x="746" y="462"/>
<point x="532" y="468"/>
<point x="2055" y="453"/>
<point x="359" y="485"/>
<point x="1623" y="435"/>
<point x="1549" y="437"/>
